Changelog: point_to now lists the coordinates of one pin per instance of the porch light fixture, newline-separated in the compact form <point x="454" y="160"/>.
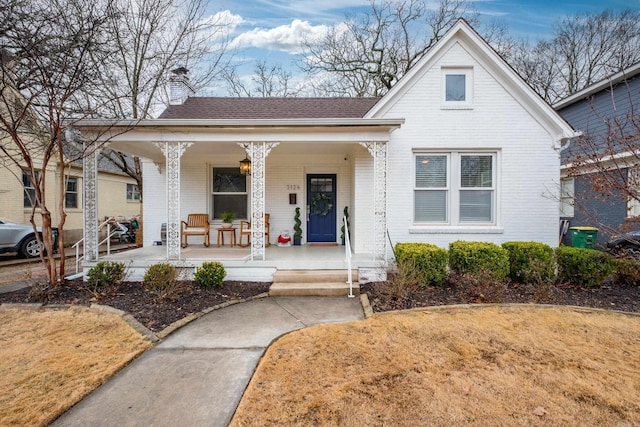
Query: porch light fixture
<point x="245" y="166"/>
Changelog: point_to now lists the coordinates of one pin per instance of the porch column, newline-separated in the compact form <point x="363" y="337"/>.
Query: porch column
<point x="379" y="152"/>
<point x="257" y="153"/>
<point x="173" y="151"/>
<point x="90" y="201"/>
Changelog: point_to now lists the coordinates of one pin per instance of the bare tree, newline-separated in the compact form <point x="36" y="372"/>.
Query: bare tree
<point x="267" y="81"/>
<point x="47" y="64"/>
<point x="582" y="50"/>
<point x="607" y="159"/>
<point x="367" y="54"/>
<point x="151" y="38"/>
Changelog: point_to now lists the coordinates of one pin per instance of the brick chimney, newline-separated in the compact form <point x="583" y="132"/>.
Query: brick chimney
<point x="179" y="87"/>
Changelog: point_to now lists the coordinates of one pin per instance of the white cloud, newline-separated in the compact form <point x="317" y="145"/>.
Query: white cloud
<point x="286" y="38"/>
<point x="221" y="24"/>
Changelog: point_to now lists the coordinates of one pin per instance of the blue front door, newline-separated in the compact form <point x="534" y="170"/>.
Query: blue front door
<point x="321" y="208"/>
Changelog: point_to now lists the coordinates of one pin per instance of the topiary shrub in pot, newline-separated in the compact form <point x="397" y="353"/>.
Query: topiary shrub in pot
<point x="297" y="231"/>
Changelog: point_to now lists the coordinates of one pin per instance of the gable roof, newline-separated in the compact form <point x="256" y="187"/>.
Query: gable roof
<point x="269" y="108"/>
<point x="461" y="32"/>
<point x="626" y="74"/>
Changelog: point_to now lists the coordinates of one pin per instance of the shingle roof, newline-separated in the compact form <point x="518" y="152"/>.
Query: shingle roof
<point x="269" y="108"/>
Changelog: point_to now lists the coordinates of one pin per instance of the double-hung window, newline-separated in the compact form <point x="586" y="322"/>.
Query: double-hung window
<point x="229" y="193"/>
<point x="29" y="189"/>
<point x="566" y="197"/>
<point x="133" y="193"/>
<point x="455" y="188"/>
<point x="71" y="194"/>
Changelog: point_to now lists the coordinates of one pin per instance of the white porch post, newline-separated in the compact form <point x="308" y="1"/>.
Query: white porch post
<point x="90" y="199"/>
<point x="173" y="151"/>
<point x="379" y="152"/>
<point x="257" y="153"/>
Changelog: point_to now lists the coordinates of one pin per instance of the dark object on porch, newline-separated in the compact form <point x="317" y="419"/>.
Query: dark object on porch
<point x="196" y="225"/>
<point x="297" y="231"/>
<point x="245" y="230"/>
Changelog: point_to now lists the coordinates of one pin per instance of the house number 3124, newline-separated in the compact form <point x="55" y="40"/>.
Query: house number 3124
<point x="293" y="187"/>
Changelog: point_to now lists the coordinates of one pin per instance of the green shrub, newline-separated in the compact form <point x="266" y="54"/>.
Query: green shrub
<point x="583" y="267"/>
<point x="429" y="261"/>
<point x="105" y="275"/>
<point x="210" y="275"/>
<point x="478" y="257"/>
<point x="627" y="272"/>
<point x="160" y="277"/>
<point x="531" y="262"/>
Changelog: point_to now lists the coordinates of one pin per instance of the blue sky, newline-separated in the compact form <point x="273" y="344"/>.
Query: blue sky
<point x="273" y="29"/>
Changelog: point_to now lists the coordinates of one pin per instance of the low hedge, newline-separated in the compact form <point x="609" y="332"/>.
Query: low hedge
<point x="627" y="272"/>
<point x="531" y="262"/>
<point x="583" y="267"/>
<point x="429" y="261"/>
<point x="478" y="257"/>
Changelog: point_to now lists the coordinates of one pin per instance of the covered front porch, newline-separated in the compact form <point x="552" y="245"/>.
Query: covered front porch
<point x="184" y="160"/>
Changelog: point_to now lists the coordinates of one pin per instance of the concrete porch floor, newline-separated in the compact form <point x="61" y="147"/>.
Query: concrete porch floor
<point x="238" y="264"/>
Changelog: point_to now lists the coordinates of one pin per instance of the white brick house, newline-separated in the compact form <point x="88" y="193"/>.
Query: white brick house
<point x="460" y="149"/>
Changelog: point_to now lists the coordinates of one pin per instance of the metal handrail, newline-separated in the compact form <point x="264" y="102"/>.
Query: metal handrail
<point x="347" y="251"/>
<point x="107" y="239"/>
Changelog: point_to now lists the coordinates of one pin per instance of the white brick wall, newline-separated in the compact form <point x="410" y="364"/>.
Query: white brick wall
<point x="527" y="164"/>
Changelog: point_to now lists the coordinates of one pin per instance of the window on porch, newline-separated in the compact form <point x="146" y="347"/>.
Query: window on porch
<point x="229" y="193"/>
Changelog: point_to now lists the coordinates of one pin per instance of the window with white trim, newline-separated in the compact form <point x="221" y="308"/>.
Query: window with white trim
<point x="567" y="197"/>
<point x="29" y="198"/>
<point x="455" y="188"/>
<point x="71" y="193"/>
<point x="457" y="88"/>
<point x="133" y="193"/>
<point x="229" y="193"/>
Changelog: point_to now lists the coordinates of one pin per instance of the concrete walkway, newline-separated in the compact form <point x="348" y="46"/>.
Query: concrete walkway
<point x="197" y="376"/>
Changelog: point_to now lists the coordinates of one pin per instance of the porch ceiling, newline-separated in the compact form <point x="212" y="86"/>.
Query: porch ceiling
<point x="316" y="136"/>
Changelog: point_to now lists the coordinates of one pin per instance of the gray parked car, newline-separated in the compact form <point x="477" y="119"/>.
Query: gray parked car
<point x="20" y="238"/>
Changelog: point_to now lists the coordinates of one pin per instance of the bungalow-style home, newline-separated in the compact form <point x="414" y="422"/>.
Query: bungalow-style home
<point x="602" y="112"/>
<point x="460" y="149"/>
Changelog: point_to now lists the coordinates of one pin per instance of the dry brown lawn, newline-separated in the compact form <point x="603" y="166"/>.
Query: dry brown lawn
<point x="50" y="359"/>
<point x="493" y="366"/>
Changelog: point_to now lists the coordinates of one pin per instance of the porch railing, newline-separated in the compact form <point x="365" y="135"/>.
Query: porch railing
<point x="108" y="223"/>
<point x="347" y="252"/>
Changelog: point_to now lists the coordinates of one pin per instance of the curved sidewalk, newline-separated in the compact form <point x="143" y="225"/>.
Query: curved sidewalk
<point x="196" y="377"/>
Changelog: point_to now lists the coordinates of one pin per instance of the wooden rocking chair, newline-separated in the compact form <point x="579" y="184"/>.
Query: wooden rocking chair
<point x="196" y="225"/>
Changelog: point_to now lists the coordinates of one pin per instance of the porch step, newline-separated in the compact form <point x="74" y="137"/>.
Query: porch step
<point x="313" y="282"/>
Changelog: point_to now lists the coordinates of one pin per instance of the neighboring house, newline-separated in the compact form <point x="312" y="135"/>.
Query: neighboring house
<point x="119" y="194"/>
<point x="460" y="149"/>
<point x="592" y="111"/>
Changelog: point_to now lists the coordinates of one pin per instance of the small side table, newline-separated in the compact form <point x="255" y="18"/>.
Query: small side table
<point x="232" y="238"/>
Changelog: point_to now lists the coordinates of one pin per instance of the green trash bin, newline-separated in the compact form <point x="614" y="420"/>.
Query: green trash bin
<point x="583" y="237"/>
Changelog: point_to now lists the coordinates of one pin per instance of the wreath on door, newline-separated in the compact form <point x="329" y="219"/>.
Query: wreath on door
<point x="318" y="201"/>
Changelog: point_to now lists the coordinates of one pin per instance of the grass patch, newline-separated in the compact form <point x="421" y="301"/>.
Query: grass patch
<point x="507" y="366"/>
<point x="50" y="359"/>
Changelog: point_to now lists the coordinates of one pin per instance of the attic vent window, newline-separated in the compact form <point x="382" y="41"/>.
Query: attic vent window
<point x="457" y="88"/>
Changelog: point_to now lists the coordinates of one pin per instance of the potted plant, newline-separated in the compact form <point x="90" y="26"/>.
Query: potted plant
<point x="227" y="219"/>
<point x="297" y="231"/>
<point x="346" y="215"/>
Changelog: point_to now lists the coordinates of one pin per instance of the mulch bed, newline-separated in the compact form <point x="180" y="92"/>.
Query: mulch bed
<point x="157" y="313"/>
<point x="147" y="307"/>
<point x="607" y="296"/>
